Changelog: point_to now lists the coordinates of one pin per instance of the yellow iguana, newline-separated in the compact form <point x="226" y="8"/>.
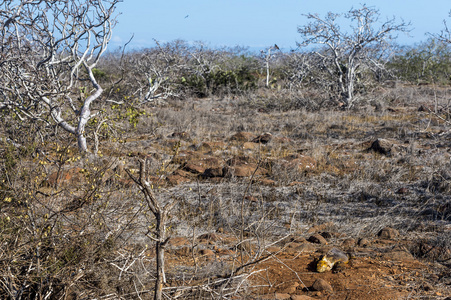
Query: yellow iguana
<point x="333" y="257"/>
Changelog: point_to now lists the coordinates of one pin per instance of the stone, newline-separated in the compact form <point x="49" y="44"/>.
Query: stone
<point x="348" y="243"/>
<point x="266" y="181"/>
<point x="321" y="227"/>
<point x="317" y="239"/>
<point x="178" y="177"/>
<point x="200" y="165"/>
<point x="388" y="233"/>
<point x="179" y="241"/>
<point x="213" y="172"/>
<point x="185" y="155"/>
<point x="322" y="285"/>
<point x="306" y="247"/>
<point x="273" y="249"/>
<point x="242" y="136"/>
<point x="281" y="296"/>
<point x="402" y="190"/>
<point x="275" y="296"/>
<point x="297" y="163"/>
<point x="241" y="160"/>
<point x="290" y="288"/>
<point x="423" y="108"/>
<point x="209" y="237"/>
<point x="382" y="146"/>
<point x="267" y="297"/>
<point x="263" y="138"/>
<point x="295" y="238"/>
<point x="364" y="242"/>
<point x="65" y="177"/>
<point x="301" y="297"/>
<point x="251" y="198"/>
<point x="250" y="146"/>
<point x="211" y="146"/>
<point x="398" y="255"/>
<point x="283" y="140"/>
<point x="183" y="135"/>
<point x="226" y="252"/>
<point x="326" y="234"/>
<point x="206" y="252"/>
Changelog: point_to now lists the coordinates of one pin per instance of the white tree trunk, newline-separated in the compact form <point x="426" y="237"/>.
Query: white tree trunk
<point x="85" y="114"/>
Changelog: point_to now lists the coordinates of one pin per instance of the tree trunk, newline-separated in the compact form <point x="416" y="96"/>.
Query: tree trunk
<point x="160" y="249"/>
<point x="160" y="271"/>
<point x="85" y="112"/>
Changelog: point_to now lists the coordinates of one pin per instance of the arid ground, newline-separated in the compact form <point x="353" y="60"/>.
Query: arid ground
<point x="261" y="194"/>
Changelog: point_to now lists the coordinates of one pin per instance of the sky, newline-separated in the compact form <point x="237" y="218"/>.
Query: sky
<point x="257" y="24"/>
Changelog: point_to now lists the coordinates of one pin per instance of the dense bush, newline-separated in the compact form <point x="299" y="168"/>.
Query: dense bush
<point x="428" y="62"/>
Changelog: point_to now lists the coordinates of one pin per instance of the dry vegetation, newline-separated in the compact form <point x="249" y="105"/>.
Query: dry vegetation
<point x="183" y="172"/>
<point x="245" y="208"/>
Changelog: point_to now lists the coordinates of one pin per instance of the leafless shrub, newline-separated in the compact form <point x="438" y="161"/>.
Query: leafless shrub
<point x="56" y="236"/>
<point x="49" y="51"/>
<point x="347" y="56"/>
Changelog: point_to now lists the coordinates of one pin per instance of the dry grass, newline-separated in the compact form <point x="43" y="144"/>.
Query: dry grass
<point x="355" y="190"/>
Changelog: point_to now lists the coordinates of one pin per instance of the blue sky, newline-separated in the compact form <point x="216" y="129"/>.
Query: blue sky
<point x="256" y="23"/>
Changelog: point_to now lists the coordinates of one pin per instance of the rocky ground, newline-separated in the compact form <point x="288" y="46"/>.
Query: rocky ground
<point x="273" y="191"/>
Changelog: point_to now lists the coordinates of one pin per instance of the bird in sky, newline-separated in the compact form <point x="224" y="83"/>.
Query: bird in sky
<point x="186" y="16"/>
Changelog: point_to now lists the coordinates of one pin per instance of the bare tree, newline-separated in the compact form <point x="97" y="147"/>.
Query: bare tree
<point x="346" y="52"/>
<point x="48" y="52"/>
<point x="445" y="34"/>
<point x="157" y="70"/>
<point x="267" y="58"/>
<point x="159" y="233"/>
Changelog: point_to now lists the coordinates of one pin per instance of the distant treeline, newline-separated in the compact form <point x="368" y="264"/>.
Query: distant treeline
<point x="178" y="68"/>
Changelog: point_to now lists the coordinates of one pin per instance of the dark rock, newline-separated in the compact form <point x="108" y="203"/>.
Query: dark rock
<point x="382" y="146"/>
<point x="263" y="138"/>
<point x="206" y="252"/>
<point x="388" y="233"/>
<point x="200" y="165"/>
<point x="322" y="285"/>
<point x="402" y="190"/>
<point x="348" y="243"/>
<point x="178" y="177"/>
<point x="326" y="234"/>
<point x="266" y="181"/>
<point x="211" y="146"/>
<point x="251" y="198"/>
<point x="181" y="135"/>
<point x="423" y="108"/>
<point x="213" y="172"/>
<point x="364" y="242"/>
<point x="317" y="239"/>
